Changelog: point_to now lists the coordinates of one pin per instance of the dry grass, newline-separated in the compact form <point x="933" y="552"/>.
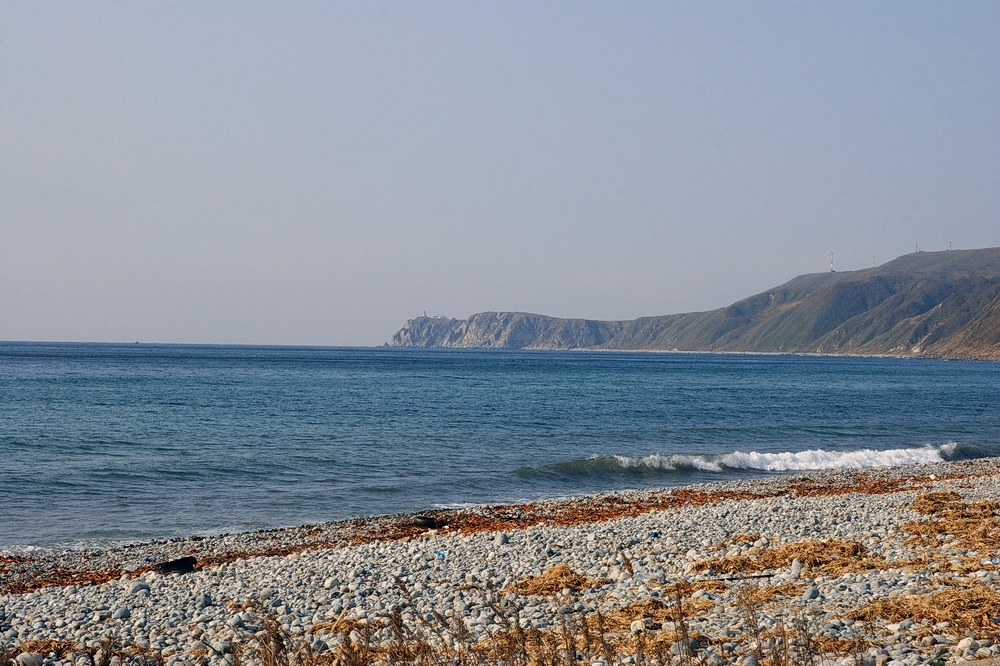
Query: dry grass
<point x="967" y="525"/>
<point x="685" y="588"/>
<point x="654" y="613"/>
<point x="554" y="581"/>
<point x="968" y="609"/>
<point x="830" y="555"/>
<point x="398" y="638"/>
<point x="744" y="538"/>
<point x="772" y="592"/>
<point x="402" y="638"/>
<point x="59" y="648"/>
<point x="930" y="503"/>
<point x="949" y="505"/>
<point x="108" y="652"/>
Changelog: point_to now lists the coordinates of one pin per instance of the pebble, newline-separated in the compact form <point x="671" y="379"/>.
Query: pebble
<point x="449" y="572"/>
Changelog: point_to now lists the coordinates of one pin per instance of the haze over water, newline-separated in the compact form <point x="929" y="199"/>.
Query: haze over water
<point x="102" y="442"/>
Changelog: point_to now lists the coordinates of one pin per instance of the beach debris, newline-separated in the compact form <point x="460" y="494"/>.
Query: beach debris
<point x="441" y="554"/>
<point x="554" y="581"/>
<point x="832" y="554"/>
<point x="627" y="564"/>
<point x="181" y="565"/>
<point x="968" y="609"/>
<point x="425" y="521"/>
<point x="972" y="525"/>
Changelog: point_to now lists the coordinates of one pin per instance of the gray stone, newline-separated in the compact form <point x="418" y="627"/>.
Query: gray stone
<point x="685" y="648"/>
<point x="138" y="586"/>
<point x="122" y="613"/>
<point x="810" y="594"/>
<point x="968" y="643"/>
<point x="712" y="659"/>
<point x="29" y="659"/>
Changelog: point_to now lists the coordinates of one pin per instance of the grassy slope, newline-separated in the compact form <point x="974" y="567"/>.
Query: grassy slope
<point x="930" y="303"/>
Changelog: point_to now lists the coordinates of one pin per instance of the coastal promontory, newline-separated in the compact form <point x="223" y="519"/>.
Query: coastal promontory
<point x="925" y="304"/>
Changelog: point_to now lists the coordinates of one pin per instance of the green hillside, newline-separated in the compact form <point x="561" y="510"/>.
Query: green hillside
<point x="940" y="304"/>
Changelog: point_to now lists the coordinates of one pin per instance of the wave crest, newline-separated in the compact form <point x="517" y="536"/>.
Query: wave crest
<point x="786" y="461"/>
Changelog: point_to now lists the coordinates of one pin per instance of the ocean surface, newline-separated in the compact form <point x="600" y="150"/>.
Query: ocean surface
<point x="108" y="443"/>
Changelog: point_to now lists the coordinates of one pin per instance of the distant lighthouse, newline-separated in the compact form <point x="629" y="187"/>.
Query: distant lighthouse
<point x="831" y="262"/>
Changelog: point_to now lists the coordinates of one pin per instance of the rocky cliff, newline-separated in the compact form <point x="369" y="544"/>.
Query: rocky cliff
<point x="942" y="304"/>
<point x="506" y="330"/>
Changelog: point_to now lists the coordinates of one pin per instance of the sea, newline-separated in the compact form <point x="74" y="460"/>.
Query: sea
<point x="116" y="443"/>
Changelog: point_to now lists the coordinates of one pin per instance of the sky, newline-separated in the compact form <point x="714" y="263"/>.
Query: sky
<point x="317" y="173"/>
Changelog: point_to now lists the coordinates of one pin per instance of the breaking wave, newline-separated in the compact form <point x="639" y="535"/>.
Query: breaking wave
<point x="659" y="465"/>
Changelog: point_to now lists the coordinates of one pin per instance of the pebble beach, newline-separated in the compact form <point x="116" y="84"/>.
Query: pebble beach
<point x="887" y="566"/>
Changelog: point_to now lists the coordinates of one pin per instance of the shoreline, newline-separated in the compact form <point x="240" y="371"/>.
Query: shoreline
<point x="55" y="567"/>
<point x="628" y="548"/>
<point x="23" y="571"/>
<point x="985" y="356"/>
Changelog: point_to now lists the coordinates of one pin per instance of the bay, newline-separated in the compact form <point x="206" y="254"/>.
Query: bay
<point x="109" y="443"/>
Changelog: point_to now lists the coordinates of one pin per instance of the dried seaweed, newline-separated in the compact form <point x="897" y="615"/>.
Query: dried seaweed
<point x="968" y="525"/>
<point x="969" y="609"/>
<point x="834" y="554"/>
<point x="554" y="581"/>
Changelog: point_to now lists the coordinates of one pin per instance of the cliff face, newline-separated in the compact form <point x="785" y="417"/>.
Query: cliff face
<point x="505" y="330"/>
<point x="941" y="304"/>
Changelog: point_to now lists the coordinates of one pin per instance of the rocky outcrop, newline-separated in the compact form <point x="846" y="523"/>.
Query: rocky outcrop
<point x="940" y="304"/>
<point x="505" y="330"/>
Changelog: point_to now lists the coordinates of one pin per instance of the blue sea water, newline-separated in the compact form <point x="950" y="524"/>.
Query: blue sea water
<point x="108" y="443"/>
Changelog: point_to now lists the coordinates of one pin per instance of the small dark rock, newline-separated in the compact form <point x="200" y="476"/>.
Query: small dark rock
<point x="182" y="565"/>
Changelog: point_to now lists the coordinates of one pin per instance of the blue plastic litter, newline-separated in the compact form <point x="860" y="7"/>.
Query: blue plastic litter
<point x="440" y="553"/>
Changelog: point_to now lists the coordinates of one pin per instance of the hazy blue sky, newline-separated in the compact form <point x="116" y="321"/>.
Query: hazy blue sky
<point x="319" y="172"/>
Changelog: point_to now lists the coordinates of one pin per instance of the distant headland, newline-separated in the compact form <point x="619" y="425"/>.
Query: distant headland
<point x="925" y="304"/>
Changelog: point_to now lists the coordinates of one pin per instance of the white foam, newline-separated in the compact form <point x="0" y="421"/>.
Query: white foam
<point x="703" y="463"/>
<point x="789" y="461"/>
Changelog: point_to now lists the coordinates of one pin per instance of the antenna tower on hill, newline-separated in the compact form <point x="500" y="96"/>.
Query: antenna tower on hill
<point x="831" y="262"/>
